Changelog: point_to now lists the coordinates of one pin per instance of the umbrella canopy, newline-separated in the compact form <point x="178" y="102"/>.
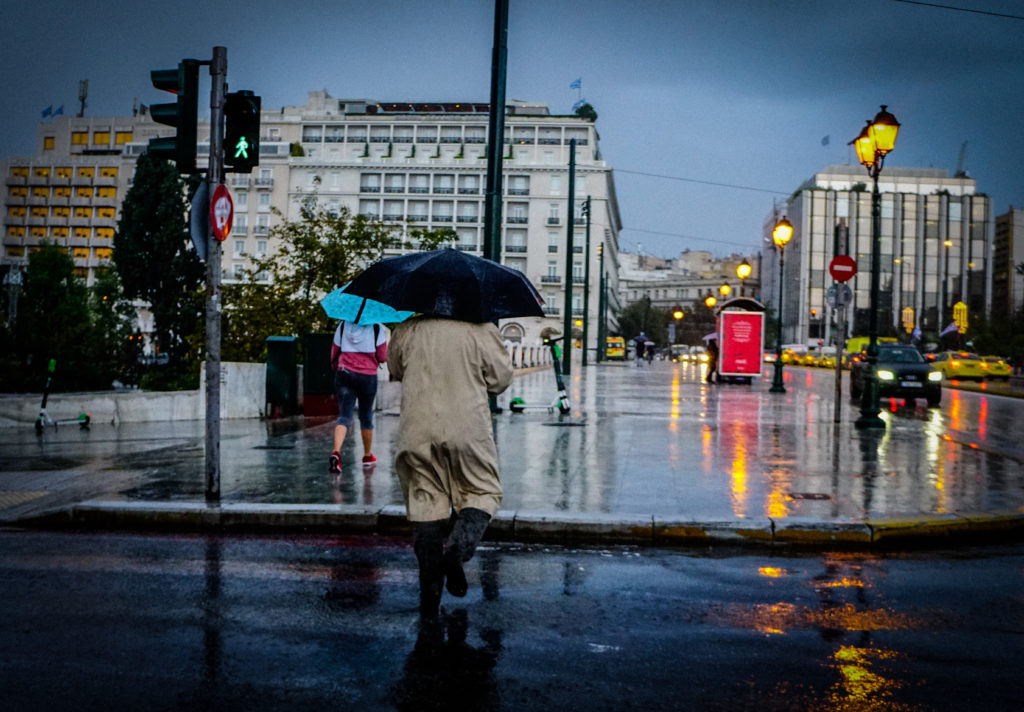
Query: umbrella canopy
<point x="713" y="336"/>
<point x="340" y="304"/>
<point x="449" y="283"/>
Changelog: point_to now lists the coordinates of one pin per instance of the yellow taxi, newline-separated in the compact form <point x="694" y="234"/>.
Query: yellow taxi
<point x="996" y="367"/>
<point x="962" y="365"/>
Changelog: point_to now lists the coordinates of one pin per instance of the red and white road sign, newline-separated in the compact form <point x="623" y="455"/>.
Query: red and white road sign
<point x="842" y="268"/>
<point x="222" y="212"/>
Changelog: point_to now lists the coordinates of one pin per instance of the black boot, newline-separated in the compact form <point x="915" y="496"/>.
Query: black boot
<point x="428" y="543"/>
<point x="468" y="531"/>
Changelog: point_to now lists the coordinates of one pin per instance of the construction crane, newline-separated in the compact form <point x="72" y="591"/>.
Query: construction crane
<point x="960" y="172"/>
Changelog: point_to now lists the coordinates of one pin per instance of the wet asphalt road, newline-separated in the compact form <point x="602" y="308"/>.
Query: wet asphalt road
<point x="133" y="622"/>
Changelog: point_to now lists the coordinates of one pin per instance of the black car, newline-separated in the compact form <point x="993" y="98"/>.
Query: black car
<point x="902" y="373"/>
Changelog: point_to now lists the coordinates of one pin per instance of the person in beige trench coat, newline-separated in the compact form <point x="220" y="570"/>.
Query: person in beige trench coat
<point x="447" y="460"/>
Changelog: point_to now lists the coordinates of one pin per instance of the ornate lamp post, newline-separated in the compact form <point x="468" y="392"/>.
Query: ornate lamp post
<point x="780" y="236"/>
<point x="876" y="139"/>
<point x="725" y="290"/>
<point x="743" y="271"/>
<point x="710" y="301"/>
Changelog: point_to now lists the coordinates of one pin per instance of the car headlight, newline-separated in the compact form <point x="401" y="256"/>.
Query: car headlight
<point x="884" y="375"/>
<point x="935" y="376"/>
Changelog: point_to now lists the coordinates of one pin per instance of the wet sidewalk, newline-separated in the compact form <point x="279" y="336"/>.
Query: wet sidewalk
<point x="649" y="454"/>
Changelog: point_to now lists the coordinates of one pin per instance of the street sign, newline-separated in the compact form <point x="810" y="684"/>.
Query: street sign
<point x="838" y="296"/>
<point x="222" y="212"/>
<point x="842" y="268"/>
<point x="199" y="223"/>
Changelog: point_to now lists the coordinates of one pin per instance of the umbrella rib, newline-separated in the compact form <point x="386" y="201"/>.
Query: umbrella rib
<point x="360" y="312"/>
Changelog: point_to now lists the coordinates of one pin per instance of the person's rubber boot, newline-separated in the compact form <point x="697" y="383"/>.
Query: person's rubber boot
<point x="428" y="543"/>
<point x="466" y="534"/>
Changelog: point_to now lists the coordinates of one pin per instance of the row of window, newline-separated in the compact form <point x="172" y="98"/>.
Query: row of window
<point x="63" y="191"/>
<point x="64" y="171"/>
<point x="59" y="231"/>
<point x="543" y="135"/>
<point x="99" y="138"/>
<point x="79" y="253"/>
<point x="60" y="211"/>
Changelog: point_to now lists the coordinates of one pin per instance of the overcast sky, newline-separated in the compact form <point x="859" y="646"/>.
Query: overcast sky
<point x="737" y="92"/>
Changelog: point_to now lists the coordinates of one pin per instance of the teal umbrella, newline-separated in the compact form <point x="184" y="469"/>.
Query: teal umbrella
<point x="339" y="304"/>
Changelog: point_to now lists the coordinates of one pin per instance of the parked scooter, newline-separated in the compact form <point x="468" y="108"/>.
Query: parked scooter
<point x="561" y="400"/>
<point x="44" y="419"/>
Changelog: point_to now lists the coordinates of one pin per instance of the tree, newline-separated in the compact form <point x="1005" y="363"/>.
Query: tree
<point x="641" y="316"/>
<point x="156" y="261"/>
<point x="320" y="251"/>
<point x="586" y="111"/>
<point x="114" y="345"/>
<point x="53" y="323"/>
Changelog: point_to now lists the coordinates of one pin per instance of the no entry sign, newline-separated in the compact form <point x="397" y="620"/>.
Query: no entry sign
<point x="222" y="212"/>
<point x="842" y="268"/>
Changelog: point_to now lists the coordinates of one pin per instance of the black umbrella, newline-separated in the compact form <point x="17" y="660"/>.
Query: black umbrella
<point x="449" y="283"/>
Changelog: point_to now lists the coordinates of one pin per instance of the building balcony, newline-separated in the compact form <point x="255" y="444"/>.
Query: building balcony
<point x="394" y="189"/>
<point x="402" y="139"/>
<point x="359" y="138"/>
<point x="417" y="218"/>
<point x="579" y="141"/>
<point x="518" y="191"/>
<point x="418" y="189"/>
<point x="369" y="189"/>
<point x="550" y="279"/>
<point x="577" y="248"/>
<point x="579" y="221"/>
<point x="239" y="180"/>
<point x="380" y="139"/>
<point x="476" y="139"/>
<point x="467" y="218"/>
<point x="554" y="221"/>
<point x="517" y="219"/>
<point x="393" y="217"/>
<point x="578" y="279"/>
<point x="523" y="141"/>
<point x="426" y="139"/>
<point x="313" y="138"/>
<point x="444" y="191"/>
<point x="334" y="139"/>
<point x="577" y="311"/>
<point x="239" y="230"/>
<point x="515" y="248"/>
<point x="442" y="218"/>
<point x="551" y="311"/>
<point x="451" y="139"/>
<point x="469" y="191"/>
<point x="465" y="247"/>
<point x="552" y="248"/>
<point x="264" y="182"/>
<point x="260" y="230"/>
<point x="550" y="141"/>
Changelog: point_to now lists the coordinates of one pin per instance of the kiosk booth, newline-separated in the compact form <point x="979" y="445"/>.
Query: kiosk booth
<point x="739" y="324"/>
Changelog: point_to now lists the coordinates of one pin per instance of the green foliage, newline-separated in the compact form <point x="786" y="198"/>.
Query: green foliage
<point x="295" y="150"/>
<point x="156" y="261"/>
<point x="587" y="112"/>
<point x="641" y="316"/>
<point x="115" y="347"/>
<point x="280" y="294"/>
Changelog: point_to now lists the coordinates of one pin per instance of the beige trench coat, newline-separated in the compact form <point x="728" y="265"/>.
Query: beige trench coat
<point x="447" y="458"/>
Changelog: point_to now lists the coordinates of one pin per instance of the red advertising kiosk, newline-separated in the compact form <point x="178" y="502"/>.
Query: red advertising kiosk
<point x="740" y="328"/>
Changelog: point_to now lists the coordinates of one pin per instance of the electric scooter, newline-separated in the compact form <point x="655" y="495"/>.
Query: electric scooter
<point x="561" y="401"/>
<point x="44" y="419"/>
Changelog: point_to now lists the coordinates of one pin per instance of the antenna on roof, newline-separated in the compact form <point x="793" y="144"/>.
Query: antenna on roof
<point x="960" y="172"/>
<point x="83" y="92"/>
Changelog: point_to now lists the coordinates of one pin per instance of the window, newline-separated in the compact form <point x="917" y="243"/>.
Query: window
<point x="15" y="251"/>
<point x="108" y="172"/>
<point x="104" y="233"/>
<point x="554" y="213"/>
<point x="243" y="199"/>
<point x="86" y="172"/>
<point x="79" y="138"/>
<point x="63" y="232"/>
<point x="239" y="246"/>
<point x="37" y="231"/>
<point x="61" y="212"/>
<point x="39" y="212"/>
<point x="237" y="270"/>
<point x="41" y="172"/>
<point x="83" y="212"/>
<point x="62" y="192"/>
<point x="82" y="233"/>
<point x="16" y="211"/>
<point x="103" y="253"/>
<point x="264" y="201"/>
<point x="40" y="192"/>
<point x="101" y="138"/>
<point x="261" y="248"/>
<point x="122" y="137"/>
<point x="83" y="192"/>
<point x="18" y="191"/>
<point x="48" y="143"/>
<point x="553" y="242"/>
<point x="64" y="172"/>
<point x="106" y="192"/>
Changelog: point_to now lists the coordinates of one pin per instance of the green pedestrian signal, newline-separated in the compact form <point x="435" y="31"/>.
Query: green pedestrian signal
<point x="183" y="81"/>
<point x="241" y="131"/>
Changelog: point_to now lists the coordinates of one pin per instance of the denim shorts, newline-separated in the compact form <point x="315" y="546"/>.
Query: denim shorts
<point x="352" y="387"/>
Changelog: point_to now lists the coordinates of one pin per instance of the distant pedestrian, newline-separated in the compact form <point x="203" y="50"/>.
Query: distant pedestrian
<point x="447" y="460"/>
<point x="356" y="354"/>
<point x="712" y="374"/>
<point x="639" y="344"/>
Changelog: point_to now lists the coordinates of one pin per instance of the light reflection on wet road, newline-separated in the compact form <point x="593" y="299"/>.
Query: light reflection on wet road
<point x="122" y="622"/>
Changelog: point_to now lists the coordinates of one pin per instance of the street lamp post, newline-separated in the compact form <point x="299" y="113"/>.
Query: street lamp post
<point x="780" y="236"/>
<point x="743" y="271"/>
<point x="876" y="139"/>
<point x="725" y="290"/>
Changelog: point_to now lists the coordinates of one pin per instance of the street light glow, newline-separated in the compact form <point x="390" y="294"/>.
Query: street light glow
<point x="782" y="233"/>
<point x="743" y="269"/>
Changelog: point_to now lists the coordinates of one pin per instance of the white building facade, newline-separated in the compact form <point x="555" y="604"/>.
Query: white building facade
<point x="416" y="166"/>
<point x="936" y="247"/>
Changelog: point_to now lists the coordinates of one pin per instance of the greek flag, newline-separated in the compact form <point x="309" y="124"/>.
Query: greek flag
<point x="825" y="140"/>
<point x="951" y="329"/>
<point x="59" y="111"/>
<point x="577" y="105"/>
<point x="576" y="83"/>
<point x="48" y="111"/>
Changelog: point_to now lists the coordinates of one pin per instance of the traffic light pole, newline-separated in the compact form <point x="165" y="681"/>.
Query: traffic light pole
<point x="586" y="289"/>
<point x="571" y="220"/>
<point x="214" y="177"/>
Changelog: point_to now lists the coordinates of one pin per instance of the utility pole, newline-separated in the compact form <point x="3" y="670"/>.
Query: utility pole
<point x="567" y="321"/>
<point x="214" y="177"/>
<point x="496" y="133"/>
<point x="586" y="286"/>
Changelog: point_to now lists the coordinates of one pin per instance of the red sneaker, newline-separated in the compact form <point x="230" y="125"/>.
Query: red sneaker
<point x="369" y="460"/>
<point x="335" y="462"/>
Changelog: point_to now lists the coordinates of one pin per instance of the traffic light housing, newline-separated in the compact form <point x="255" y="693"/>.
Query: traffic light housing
<point x="241" y="131"/>
<point x="183" y="81"/>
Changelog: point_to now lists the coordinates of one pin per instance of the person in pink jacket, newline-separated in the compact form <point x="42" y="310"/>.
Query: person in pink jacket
<point x="356" y="354"/>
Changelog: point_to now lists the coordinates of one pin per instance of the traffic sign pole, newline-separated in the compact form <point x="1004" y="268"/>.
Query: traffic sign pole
<point x="215" y="180"/>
